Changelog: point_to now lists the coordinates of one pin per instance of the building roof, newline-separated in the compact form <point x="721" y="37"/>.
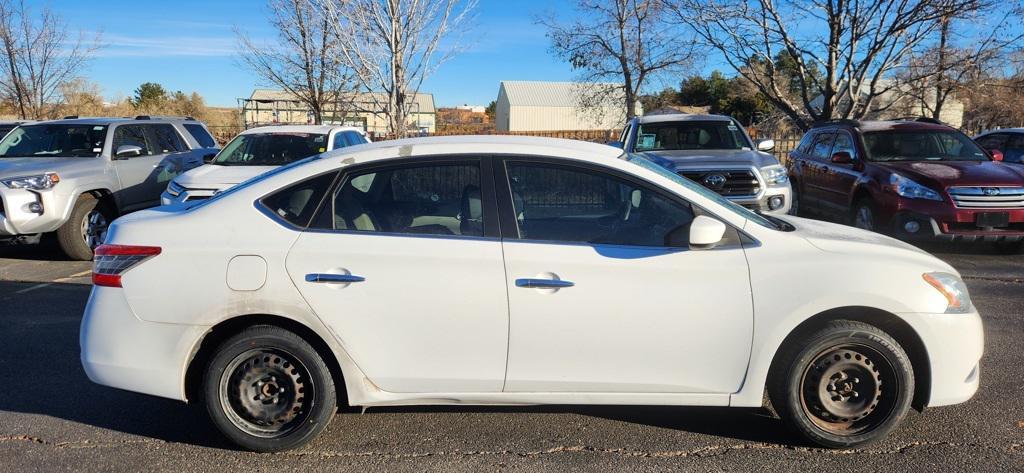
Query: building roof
<point x="423" y="99"/>
<point x="549" y="94"/>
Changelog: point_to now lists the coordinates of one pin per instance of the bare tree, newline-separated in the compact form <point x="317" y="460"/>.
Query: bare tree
<point x="393" y="45"/>
<point x="41" y="57"/>
<point x="623" y="41"/>
<point x="305" y="63"/>
<point x="859" y="45"/>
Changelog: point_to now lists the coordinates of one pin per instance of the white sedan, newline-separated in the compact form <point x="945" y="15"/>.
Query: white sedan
<point x="512" y="270"/>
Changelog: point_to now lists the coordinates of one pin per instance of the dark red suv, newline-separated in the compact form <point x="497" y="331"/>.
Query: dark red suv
<point x="911" y="179"/>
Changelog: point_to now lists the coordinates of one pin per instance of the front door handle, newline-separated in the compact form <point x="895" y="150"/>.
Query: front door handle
<point x="334" y="278"/>
<point x="543" y="283"/>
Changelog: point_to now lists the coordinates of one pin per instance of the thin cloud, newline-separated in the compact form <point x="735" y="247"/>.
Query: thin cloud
<point x="166" y="46"/>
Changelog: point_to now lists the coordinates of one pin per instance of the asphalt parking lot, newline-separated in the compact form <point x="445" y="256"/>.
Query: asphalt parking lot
<point x="53" y="419"/>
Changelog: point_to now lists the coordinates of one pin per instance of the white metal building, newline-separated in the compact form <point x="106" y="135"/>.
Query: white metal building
<point x="557" y="106"/>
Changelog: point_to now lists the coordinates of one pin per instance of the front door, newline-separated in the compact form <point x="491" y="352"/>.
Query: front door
<point x="599" y="302"/>
<point x="405" y="267"/>
<point x="815" y="181"/>
<point x="839" y="179"/>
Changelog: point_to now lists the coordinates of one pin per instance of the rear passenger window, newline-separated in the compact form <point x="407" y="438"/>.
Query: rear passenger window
<point x="131" y="135"/>
<point x="583" y="206"/>
<point x="201" y="135"/>
<point x="822" y="148"/>
<point x="806" y="143"/>
<point x="441" y="199"/>
<point x="297" y="204"/>
<point x="843" y="143"/>
<point x="166" y="139"/>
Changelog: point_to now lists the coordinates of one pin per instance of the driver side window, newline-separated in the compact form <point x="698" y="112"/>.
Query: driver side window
<point x="568" y="204"/>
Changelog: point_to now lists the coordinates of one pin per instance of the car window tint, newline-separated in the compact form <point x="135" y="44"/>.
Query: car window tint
<point x="201" y="135"/>
<point x="340" y="140"/>
<point x="583" y="206"/>
<point x="442" y="199"/>
<point x="844" y="142"/>
<point x="165" y="139"/>
<point x="131" y="135"/>
<point x="805" y="143"/>
<point x="297" y="203"/>
<point x="1013" y="152"/>
<point x="993" y="141"/>
<point x="822" y="148"/>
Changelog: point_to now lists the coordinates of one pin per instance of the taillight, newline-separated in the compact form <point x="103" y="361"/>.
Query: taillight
<point x="111" y="261"/>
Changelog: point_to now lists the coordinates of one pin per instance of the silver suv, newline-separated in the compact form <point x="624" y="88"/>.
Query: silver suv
<point x="714" y="151"/>
<point x="74" y="176"/>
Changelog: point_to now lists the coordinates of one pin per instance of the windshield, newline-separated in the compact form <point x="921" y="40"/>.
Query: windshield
<point x="4" y="129"/>
<point x="921" y="145"/>
<point x="685" y="135"/>
<point x="648" y="162"/>
<point x="60" y="141"/>
<point x="271" y="149"/>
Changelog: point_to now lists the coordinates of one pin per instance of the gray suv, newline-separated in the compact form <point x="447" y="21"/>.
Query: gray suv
<point x="74" y="176"/>
<point x="714" y="151"/>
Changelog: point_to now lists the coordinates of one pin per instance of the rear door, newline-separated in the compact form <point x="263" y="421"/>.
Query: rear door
<point x="815" y="181"/>
<point x="839" y="179"/>
<point x="142" y="177"/>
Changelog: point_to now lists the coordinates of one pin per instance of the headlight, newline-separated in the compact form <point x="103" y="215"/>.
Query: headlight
<point x="953" y="289"/>
<point x="174" y="189"/>
<point x="912" y="190"/>
<point x="774" y="175"/>
<point x="37" y="183"/>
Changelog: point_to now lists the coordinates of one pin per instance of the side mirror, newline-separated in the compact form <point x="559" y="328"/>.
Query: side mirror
<point x="842" y="157"/>
<point x="705" y="233"/>
<point x="616" y="144"/>
<point x="128" y="151"/>
<point x="766" y="145"/>
<point x="997" y="155"/>
<point x="207" y="159"/>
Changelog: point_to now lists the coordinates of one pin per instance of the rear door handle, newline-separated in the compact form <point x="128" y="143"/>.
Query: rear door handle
<point x="543" y="283"/>
<point x="333" y="278"/>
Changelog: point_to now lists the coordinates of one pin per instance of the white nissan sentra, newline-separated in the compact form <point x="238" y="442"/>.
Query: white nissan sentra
<point x="512" y="270"/>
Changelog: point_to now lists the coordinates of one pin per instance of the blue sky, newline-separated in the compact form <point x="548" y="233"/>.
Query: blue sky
<point x="189" y="45"/>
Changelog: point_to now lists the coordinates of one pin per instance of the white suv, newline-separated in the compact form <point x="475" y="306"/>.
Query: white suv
<point x="511" y="271"/>
<point x="256" y="151"/>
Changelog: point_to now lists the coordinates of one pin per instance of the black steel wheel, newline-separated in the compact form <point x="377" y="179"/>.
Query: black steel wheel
<point x="845" y="385"/>
<point x="268" y="390"/>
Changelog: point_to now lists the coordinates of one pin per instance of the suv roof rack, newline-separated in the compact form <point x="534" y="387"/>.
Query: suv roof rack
<point x="70" y="117"/>
<point x="163" y="117"/>
<point x="836" y="121"/>
<point x="921" y="120"/>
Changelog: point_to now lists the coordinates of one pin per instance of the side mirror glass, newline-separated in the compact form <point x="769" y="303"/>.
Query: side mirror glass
<point x="128" y="151"/>
<point x="705" y="233"/>
<point x="207" y="159"/>
<point x="766" y="145"/>
<point x="997" y="155"/>
<point x="842" y="157"/>
<point x="616" y="144"/>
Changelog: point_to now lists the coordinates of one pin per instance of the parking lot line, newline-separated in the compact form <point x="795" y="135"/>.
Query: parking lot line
<point x="32" y="288"/>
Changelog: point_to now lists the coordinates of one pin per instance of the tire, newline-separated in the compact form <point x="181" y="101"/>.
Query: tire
<point x="844" y="403"/>
<point x="864" y="216"/>
<point x="85" y="229"/>
<point x="268" y="390"/>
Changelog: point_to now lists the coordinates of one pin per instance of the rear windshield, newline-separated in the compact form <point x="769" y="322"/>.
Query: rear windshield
<point x="921" y="145"/>
<point x="201" y="135"/>
<point x="4" y="129"/>
<point x="687" y="135"/>
<point x="61" y="141"/>
<point x="271" y="149"/>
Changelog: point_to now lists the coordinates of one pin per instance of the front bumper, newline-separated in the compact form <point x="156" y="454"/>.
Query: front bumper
<point x="121" y="351"/>
<point x="17" y="218"/>
<point x="943" y="222"/>
<point x="955" y="343"/>
<point x="764" y="203"/>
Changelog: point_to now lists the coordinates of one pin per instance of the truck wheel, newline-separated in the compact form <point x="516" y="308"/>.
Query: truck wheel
<point x="845" y="385"/>
<point x="267" y="390"/>
<point x="85" y="229"/>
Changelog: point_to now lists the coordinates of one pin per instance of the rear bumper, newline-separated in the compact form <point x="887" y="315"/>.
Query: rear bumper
<point x="121" y="351"/>
<point x="955" y="343"/>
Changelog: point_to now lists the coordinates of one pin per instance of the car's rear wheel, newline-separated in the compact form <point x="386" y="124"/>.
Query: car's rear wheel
<point x="844" y="385"/>
<point x="85" y="229"/>
<point x="267" y="389"/>
<point x="863" y="215"/>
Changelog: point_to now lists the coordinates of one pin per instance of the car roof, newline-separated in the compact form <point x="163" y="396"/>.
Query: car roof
<point x="682" y="117"/>
<point x="325" y="129"/>
<point x="483" y="144"/>
<point x="114" y="120"/>
<point x="1002" y="130"/>
<point x="883" y="125"/>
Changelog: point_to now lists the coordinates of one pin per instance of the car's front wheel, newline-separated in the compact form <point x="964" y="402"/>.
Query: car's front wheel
<point x="85" y="229"/>
<point x="267" y="390"/>
<point x="863" y="215"/>
<point x="844" y="385"/>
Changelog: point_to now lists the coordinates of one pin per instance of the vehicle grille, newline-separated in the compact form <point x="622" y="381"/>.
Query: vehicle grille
<point x="988" y="197"/>
<point x="737" y="183"/>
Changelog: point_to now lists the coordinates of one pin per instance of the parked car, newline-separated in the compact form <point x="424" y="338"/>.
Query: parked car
<point x="7" y="125"/>
<point x="256" y="151"/>
<point x="74" y="176"/>
<point x="516" y="270"/>
<point x="1007" y="144"/>
<point x="715" y="151"/>
<point x="912" y="179"/>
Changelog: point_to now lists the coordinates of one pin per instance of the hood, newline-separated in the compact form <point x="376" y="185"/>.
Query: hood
<point x="958" y="173"/>
<point x="836" y="238"/>
<point x="13" y="167"/>
<point x="212" y="176"/>
<point x="716" y="157"/>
